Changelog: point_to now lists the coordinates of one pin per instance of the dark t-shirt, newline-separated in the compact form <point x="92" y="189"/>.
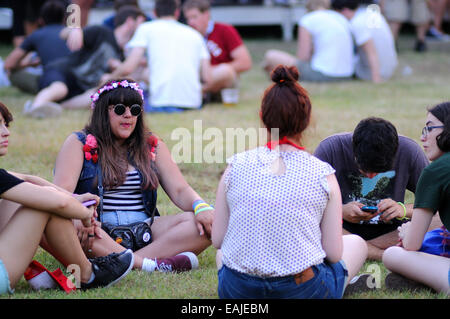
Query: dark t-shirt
<point x="91" y="62"/>
<point x="433" y="188"/>
<point x="47" y="43"/>
<point x="409" y="162"/>
<point x="85" y="67"/>
<point x="7" y="181"/>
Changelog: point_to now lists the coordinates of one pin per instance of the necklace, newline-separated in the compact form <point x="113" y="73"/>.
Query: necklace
<point x="272" y="144"/>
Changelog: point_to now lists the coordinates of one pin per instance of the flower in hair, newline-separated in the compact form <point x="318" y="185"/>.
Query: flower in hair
<point x="114" y="85"/>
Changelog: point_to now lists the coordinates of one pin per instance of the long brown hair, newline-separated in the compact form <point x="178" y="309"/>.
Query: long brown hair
<point x="114" y="162"/>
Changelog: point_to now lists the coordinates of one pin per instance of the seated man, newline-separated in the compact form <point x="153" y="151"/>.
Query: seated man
<point x="325" y="46"/>
<point x="177" y="60"/>
<point x="376" y="55"/>
<point x="229" y="55"/>
<point x="81" y="71"/>
<point x="46" y="42"/>
<point x="374" y="167"/>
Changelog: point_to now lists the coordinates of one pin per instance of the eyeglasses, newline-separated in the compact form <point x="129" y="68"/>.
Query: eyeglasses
<point x="120" y="109"/>
<point x="428" y="129"/>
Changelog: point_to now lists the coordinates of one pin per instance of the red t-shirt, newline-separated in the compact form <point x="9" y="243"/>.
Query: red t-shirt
<point x="223" y="39"/>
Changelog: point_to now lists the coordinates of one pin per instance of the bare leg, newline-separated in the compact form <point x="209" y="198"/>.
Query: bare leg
<point x="222" y="76"/>
<point x="7" y="209"/>
<point x="82" y="101"/>
<point x="421" y="31"/>
<point x="62" y="238"/>
<point x="354" y="254"/>
<point x="53" y="93"/>
<point x="377" y="245"/>
<point x="395" y="28"/>
<point x="13" y="241"/>
<point x="272" y="58"/>
<point x="33" y="223"/>
<point x="428" y="269"/>
<point x="174" y="234"/>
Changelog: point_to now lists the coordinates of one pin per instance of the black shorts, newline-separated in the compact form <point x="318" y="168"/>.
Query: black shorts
<point x="53" y="74"/>
<point x="371" y="231"/>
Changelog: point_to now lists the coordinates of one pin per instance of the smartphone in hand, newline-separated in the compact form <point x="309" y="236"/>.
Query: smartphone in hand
<point x="369" y="209"/>
<point x="89" y="202"/>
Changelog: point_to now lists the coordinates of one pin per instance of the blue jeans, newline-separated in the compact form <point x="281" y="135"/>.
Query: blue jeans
<point x="117" y="217"/>
<point x="4" y="280"/>
<point x="328" y="282"/>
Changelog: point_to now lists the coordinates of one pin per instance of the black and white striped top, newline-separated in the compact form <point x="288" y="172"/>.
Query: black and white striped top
<point x="127" y="197"/>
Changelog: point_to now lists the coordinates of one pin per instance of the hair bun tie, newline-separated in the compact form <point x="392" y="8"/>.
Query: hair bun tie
<point x="281" y="81"/>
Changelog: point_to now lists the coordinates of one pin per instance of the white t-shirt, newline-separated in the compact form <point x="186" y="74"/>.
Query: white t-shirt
<point x="333" y="53"/>
<point x="174" y="54"/>
<point x="366" y="25"/>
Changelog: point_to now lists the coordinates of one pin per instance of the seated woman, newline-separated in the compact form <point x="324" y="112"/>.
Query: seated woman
<point x="278" y="211"/>
<point x="432" y="195"/>
<point x="118" y="158"/>
<point x="324" y="46"/>
<point x="46" y="210"/>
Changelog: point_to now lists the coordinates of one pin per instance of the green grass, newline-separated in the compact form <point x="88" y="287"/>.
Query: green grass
<point x="338" y="107"/>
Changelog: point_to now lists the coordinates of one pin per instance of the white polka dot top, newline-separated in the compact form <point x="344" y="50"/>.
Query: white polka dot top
<point x="274" y="224"/>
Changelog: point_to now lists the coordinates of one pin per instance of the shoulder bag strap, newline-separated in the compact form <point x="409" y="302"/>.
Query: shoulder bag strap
<point x="100" y="190"/>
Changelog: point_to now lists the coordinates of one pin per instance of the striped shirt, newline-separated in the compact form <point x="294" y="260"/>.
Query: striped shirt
<point x="127" y="197"/>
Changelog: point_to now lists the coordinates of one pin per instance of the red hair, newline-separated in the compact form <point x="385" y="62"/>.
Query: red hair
<point x="285" y="104"/>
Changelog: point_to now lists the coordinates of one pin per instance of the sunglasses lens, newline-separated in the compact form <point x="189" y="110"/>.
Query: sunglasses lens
<point x="135" y="110"/>
<point x="119" y="109"/>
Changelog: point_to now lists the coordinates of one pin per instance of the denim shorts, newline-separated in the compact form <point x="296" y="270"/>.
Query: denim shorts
<point x="328" y="283"/>
<point x="118" y="217"/>
<point x="4" y="280"/>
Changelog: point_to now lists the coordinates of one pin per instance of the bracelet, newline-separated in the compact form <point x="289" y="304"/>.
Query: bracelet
<point x="200" y="206"/>
<point x="404" y="211"/>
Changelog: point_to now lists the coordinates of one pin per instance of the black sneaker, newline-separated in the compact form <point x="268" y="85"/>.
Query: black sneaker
<point x="395" y="281"/>
<point x="360" y="284"/>
<point x="420" y="46"/>
<point x="110" y="269"/>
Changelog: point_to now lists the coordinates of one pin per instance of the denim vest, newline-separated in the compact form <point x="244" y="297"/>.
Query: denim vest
<point x="87" y="182"/>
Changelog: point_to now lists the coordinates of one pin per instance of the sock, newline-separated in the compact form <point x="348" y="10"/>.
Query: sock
<point x="42" y="281"/>
<point x="148" y="265"/>
<point x="92" y="278"/>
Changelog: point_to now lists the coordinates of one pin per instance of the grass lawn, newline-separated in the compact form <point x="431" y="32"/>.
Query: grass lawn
<point x="337" y="107"/>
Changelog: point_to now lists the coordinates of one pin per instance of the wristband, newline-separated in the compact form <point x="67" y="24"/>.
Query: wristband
<point x="404" y="211"/>
<point x="200" y="206"/>
<point x="203" y="209"/>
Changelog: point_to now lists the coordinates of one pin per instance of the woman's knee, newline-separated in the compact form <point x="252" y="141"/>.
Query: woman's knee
<point x="392" y="255"/>
<point x="356" y="243"/>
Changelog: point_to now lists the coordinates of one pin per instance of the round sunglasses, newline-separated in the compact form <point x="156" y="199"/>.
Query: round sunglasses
<point x="120" y="109"/>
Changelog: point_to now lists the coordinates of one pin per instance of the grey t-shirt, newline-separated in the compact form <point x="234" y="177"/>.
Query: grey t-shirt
<point x="409" y="162"/>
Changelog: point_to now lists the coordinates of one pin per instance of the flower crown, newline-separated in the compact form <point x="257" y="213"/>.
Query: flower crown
<point x="114" y="85"/>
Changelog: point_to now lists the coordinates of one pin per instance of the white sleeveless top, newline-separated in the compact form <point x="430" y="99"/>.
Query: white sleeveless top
<point x="274" y="224"/>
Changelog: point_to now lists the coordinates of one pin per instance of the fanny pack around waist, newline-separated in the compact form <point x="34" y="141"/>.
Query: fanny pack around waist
<point x="133" y="236"/>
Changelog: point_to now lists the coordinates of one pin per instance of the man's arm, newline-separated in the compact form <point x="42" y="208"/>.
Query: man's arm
<point x="128" y="66"/>
<point x="304" y="45"/>
<point x="241" y="59"/>
<point x="372" y="57"/>
<point x="205" y="70"/>
<point x="13" y="60"/>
